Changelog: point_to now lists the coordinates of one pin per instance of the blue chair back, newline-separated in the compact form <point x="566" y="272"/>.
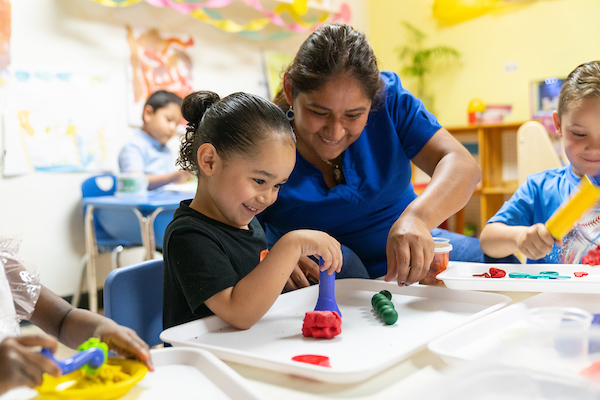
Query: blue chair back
<point x="99" y="185"/>
<point x="133" y="297"/>
<point x="113" y="227"/>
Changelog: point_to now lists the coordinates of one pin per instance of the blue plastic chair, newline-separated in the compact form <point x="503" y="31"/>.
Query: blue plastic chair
<point x="95" y="186"/>
<point x="133" y="297"/>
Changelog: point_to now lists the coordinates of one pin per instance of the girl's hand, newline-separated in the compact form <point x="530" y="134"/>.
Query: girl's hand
<point x="124" y="341"/>
<point x="535" y="241"/>
<point x="320" y="244"/>
<point x="22" y="366"/>
<point x="410" y="250"/>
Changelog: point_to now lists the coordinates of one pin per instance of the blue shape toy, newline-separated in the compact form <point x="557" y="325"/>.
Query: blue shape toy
<point x="91" y="356"/>
<point x="326" y="300"/>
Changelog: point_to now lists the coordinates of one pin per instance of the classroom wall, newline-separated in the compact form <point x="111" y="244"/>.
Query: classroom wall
<point x="44" y="209"/>
<point x="543" y="38"/>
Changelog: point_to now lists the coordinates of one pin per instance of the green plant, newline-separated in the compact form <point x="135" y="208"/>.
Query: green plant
<point x="418" y="60"/>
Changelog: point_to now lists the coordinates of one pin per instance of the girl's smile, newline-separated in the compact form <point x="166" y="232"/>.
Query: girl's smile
<point x="240" y="187"/>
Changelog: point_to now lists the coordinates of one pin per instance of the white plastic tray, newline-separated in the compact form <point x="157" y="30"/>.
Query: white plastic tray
<point x="180" y="373"/>
<point x="484" y="335"/>
<point x="459" y="275"/>
<point x="365" y="346"/>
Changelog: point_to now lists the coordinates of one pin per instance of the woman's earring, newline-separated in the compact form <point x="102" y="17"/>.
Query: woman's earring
<point x="290" y="114"/>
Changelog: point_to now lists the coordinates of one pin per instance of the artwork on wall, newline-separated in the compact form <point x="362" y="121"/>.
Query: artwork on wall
<point x="52" y="124"/>
<point x="275" y="64"/>
<point x="158" y="61"/>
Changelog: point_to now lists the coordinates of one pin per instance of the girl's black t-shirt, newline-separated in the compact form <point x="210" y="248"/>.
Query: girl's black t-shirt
<point x="202" y="257"/>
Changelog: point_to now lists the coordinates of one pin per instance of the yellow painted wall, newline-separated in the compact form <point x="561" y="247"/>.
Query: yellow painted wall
<point x="544" y="38"/>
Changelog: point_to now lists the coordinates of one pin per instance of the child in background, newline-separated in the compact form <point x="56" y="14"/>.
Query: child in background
<point x="519" y="224"/>
<point x="147" y="151"/>
<point x="242" y="149"/>
<point x="22" y="297"/>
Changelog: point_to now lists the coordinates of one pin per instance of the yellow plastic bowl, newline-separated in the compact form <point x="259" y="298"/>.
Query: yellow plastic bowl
<point x="51" y="386"/>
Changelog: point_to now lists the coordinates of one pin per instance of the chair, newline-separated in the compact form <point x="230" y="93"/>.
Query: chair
<point x="535" y="151"/>
<point x="95" y="186"/>
<point x="133" y="297"/>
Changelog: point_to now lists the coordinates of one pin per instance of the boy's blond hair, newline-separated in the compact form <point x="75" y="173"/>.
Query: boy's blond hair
<point x="582" y="83"/>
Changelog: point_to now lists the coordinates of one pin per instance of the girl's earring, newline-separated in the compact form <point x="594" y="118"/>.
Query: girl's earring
<point x="290" y="114"/>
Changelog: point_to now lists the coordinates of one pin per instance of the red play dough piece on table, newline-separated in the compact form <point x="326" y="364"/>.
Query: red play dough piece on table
<point x="497" y="273"/>
<point x="592" y="257"/>
<point x="315" y="359"/>
<point x="494" y="273"/>
<point x="580" y="274"/>
<point x="322" y="324"/>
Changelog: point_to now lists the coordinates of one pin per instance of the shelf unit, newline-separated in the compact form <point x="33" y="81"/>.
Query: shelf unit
<point x="493" y="187"/>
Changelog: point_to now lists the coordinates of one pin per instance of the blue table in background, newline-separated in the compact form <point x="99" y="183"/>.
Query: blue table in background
<point x="138" y="219"/>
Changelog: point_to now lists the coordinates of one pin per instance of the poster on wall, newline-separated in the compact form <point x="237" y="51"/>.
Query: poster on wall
<point x="57" y="121"/>
<point x="158" y="61"/>
<point x="275" y="64"/>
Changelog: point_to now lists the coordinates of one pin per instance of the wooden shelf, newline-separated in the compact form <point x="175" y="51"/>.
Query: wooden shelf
<point x="493" y="187"/>
<point x="508" y="188"/>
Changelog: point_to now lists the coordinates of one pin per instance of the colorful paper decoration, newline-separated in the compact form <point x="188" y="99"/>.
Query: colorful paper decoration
<point x="206" y="13"/>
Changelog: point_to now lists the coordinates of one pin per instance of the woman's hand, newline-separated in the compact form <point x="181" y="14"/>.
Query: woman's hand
<point x="410" y="250"/>
<point x="305" y="273"/>
<point x="20" y="365"/>
<point x="124" y="341"/>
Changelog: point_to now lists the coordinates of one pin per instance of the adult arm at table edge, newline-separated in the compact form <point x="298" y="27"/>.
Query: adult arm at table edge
<point x="454" y="175"/>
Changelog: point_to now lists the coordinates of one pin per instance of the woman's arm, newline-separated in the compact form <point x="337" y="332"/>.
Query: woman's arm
<point x="454" y="175"/>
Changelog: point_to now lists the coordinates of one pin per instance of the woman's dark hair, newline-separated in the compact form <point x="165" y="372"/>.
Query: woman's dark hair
<point x="162" y="98"/>
<point x="235" y="125"/>
<point x="331" y="51"/>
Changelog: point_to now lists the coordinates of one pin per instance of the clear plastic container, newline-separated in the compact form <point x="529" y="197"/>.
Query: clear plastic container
<point x="131" y="185"/>
<point x="439" y="263"/>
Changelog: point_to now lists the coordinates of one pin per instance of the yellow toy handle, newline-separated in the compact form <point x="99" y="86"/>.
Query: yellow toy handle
<point x="563" y="219"/>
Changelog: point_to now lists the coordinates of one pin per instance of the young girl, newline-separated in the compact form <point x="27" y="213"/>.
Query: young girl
<point x="242" y="149"/>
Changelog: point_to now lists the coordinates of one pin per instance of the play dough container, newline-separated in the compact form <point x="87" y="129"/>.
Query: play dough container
<point x="439" y="263"/>
<point x="111" y="381"/>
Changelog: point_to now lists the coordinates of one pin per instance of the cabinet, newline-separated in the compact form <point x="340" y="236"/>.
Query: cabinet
<point x="494" y="186"/>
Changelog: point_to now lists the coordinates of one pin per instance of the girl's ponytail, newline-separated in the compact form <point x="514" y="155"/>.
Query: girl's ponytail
<point x="193" y="108"/>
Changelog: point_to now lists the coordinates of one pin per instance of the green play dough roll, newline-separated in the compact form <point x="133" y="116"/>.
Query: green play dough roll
<point x="377" y="297"/>
<point x="384" y="307"/>
<point x="389" y="316"/>
<point x="380" y="302"/>
<point x="387" y="294"/>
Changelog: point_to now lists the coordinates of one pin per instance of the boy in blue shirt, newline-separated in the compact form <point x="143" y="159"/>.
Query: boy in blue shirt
<point x="147" y="150"/>
<point x="519" y="224"/>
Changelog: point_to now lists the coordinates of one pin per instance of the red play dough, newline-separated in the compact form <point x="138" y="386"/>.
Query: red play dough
<point x="592" y="257"/>
<point x="494" y="273"/>
<point x="315" y="359"/>
<point x="320" y="324"/>
<point x="580" y="274"/>
<point x="497" y="273"/>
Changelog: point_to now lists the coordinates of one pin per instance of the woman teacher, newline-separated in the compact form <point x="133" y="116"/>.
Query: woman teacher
<point x="358" y="130"/>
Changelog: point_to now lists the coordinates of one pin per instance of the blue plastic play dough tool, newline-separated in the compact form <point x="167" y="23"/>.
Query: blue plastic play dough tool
<point x="93" y="357"/>
<point x="326" y="300"/>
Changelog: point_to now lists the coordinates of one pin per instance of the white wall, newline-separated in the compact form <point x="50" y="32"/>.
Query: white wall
<point x="44" y="209"/>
